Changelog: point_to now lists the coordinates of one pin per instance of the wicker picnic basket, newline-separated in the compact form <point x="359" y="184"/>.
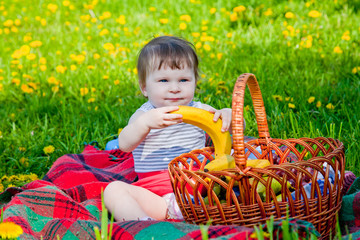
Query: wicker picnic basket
<point x="308" y="174"/>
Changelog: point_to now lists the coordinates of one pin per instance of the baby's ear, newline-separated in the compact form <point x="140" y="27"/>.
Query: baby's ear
<point x="143" y="90"/>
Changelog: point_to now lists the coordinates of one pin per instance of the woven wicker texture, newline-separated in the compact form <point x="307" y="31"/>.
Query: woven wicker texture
<point x="307" y="188"/>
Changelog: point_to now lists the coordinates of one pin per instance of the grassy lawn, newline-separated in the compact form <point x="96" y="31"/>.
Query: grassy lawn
<point x="68" y="69"/>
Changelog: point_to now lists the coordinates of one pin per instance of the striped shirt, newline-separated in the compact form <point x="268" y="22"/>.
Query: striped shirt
<point x="163" y="145"/>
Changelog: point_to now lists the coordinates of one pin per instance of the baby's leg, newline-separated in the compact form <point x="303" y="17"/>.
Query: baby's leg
<point x="129" y="202"/>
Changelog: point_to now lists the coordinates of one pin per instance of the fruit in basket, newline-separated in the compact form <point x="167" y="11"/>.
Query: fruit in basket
<point x="204" y="120"/>
<point x="275" y="186"/>
<point x="227" y="162"/>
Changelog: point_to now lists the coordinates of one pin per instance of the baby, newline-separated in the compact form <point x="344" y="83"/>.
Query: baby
<point x="168" y="73"/>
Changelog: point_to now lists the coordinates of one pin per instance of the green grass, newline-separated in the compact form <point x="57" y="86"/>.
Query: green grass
<point x="255" y="43"/>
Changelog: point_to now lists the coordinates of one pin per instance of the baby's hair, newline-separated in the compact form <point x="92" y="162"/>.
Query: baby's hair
<point x="169" y="51"/>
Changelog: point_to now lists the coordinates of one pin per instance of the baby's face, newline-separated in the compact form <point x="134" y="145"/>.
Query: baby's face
<point x="170" y="87"/>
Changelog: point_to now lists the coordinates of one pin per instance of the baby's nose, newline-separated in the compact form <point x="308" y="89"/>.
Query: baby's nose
<point x="174" y="87"/>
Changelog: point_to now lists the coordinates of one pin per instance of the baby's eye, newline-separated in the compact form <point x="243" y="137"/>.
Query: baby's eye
<point x="184" y="80"/>
<point x="163" y="80"/>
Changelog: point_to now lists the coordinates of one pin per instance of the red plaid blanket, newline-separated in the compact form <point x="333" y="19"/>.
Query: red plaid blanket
<point x="67" y="203"/>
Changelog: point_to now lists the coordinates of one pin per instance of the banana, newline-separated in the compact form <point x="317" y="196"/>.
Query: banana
<point x="204" y="120"/>
<point x="227" y="161"/>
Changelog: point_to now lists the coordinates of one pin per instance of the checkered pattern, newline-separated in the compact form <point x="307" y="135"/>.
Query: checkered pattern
<point x="67" y="202"/>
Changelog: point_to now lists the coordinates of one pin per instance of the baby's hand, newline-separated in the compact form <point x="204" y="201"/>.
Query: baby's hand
<point x="225" y="114"/>
<point x="162" y="117"/>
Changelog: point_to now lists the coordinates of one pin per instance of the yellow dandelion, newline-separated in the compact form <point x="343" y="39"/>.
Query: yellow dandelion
<point x="119" y="130"/>
<point x="91" y="100"/>
<point x="198" y="45"/>
<point x="338" y="50"/>
<point x="346" y="36"/>
<point x="277" y="97"/>
<point x="117" y="82"/>
<point x="355" y="70"/>
<point x="239" y="8"/>
<point x="42" y="60"/>
<point x="289" y="15"/>
<point x="26" y="89"/>
<point x="182" y="26"/>
<point x="52" y="7"/>
<point x="79" y="58"/>
<point x="10" y="230"/>
<point x="121" y="20"/>
<point x="164" y="20"/>
<point x="96" y="56"/>
<point x="152" y="9"/>
<point x="1" y="186"/>
<point x="185" y="18"/>
<point x="109" y="46"/>
<point x="60" y="69"/>
<point x="49" y="149"/>
<point x="311" y="99"/>
<point x="106" y="15"/>
<point x="43" y="22"/>
<point x="8" y="23"/>
<point x="66" y="3"/>
<point x="43" y="68"/>
<point x="195" y="34"/>
<point x="90" y="67"/>
<point x="314" y="14"/>
<point x="55" y="89"/>
<point x="233" y="17"/>
<point x="73" y="67"/>
<point x="229" y="35"/>
<point x="268" y="12"/>
<point x="1" y="87"/>
<point x="207" y="47"/>
<point x="330" y="106"/>
<point x="31" y="56"/>
<point x="219" y="56"/>
<point x="106" y="77"/>
<point x="291" y="105"/>
<point x="212" y="10"/>
<point x="104" y="32"/>
<point x="318" y="104"/>
<point x="35" y="44"/>
<point x="16" y="81"/>
<point x="84" y="91"/>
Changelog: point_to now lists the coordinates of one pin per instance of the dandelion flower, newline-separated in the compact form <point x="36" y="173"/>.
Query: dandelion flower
<point x="233" y="17"/>
<point x="314" y="14"/>
<point x="239" y="8"/>
<point x="277" y="97"/>
<point x="60" y="69"/>
<point x="212" y="10"/>
<point x="311" y="99"/>
<point x="164" y="20"/>
<point x="35" y="44"/>
<point x="152" y="9"/>
<point x="289" y="15"/>
<point x="52" y="7"/>
<point x="355" y="70"/>
<point x="268" y="12"/>
<point x="318" y="104"/>
<point x="49" y="149"/>
<point x="121" y="20"/>
<point x="84" y="91"/>
<point x="207" y="47"/>
<point x="109" y="46"/>
<point x="330" y="106"/>
<point x="117" y="82"/>
<point x="182" y="26"/>
<point x="338" y="50"/>
<point x="185" y="18"/>
<point x="10" y="230"/>
<point x="291" y="105"/>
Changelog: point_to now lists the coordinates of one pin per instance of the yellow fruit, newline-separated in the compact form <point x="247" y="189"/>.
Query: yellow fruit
<point x="227" y="162"/>
<point x="204" y="120"/>
<point x="220" y="163"/>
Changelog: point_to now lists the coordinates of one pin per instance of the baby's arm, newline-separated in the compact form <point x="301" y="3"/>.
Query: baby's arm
<point x="141" y="123"/>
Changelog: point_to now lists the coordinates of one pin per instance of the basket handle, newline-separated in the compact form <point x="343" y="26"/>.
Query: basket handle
<point x="237" y="116"/>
